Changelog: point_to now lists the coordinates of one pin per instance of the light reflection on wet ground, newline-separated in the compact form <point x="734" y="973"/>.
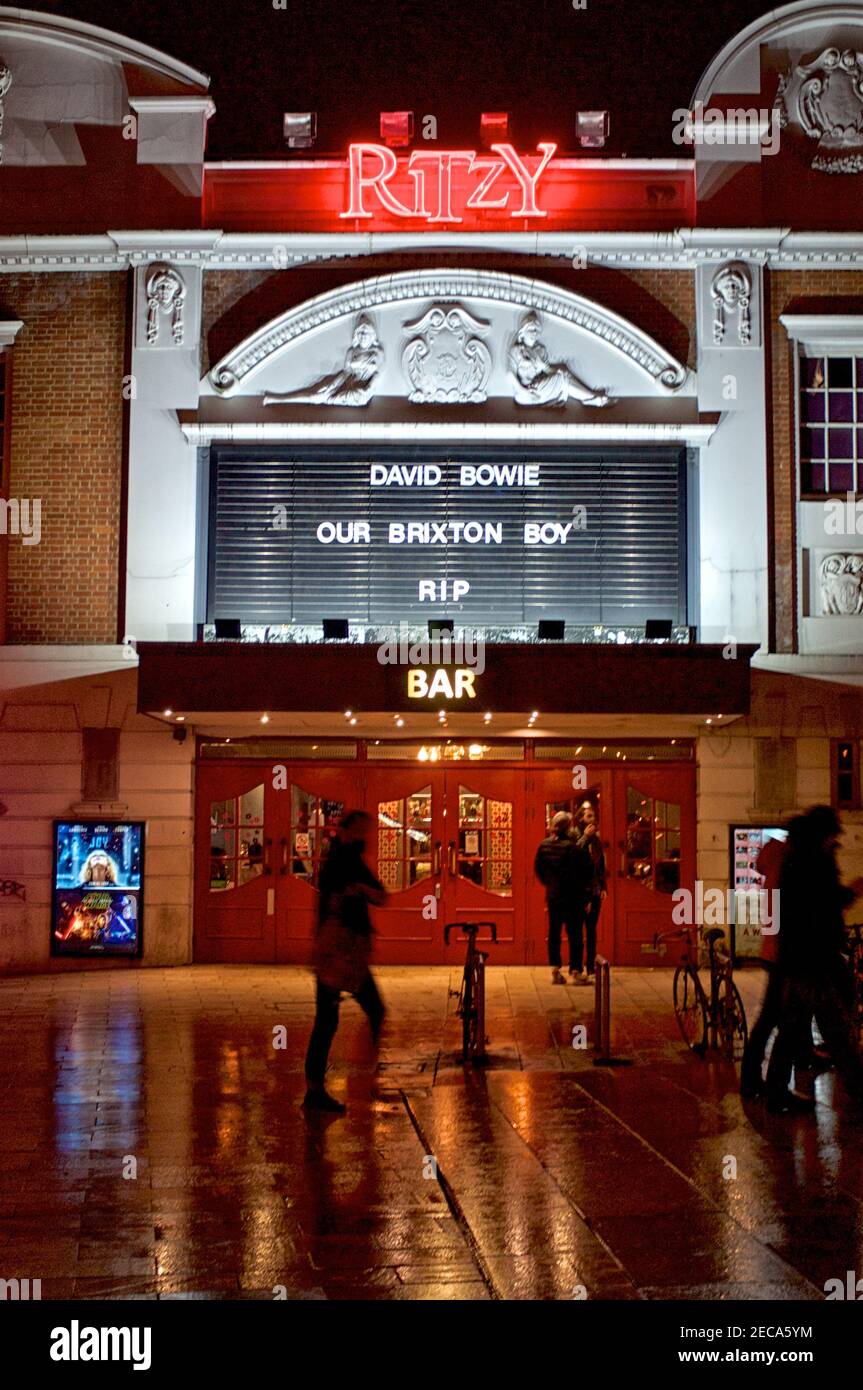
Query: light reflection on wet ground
<point x="151" y="1144"/>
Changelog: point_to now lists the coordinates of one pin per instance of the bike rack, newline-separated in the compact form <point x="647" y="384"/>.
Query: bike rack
<point x="602" y="1019"/>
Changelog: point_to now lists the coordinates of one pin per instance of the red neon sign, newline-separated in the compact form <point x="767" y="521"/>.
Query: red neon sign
<point x="505" y="182"/>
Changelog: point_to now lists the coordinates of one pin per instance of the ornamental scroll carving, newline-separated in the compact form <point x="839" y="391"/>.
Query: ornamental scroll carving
<point x="731" y="293"/>
<point x="447" y="363"/>
<point x="842" y="584"/>
<point x="825" y="98"/>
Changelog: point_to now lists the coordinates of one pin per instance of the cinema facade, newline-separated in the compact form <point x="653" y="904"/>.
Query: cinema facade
<point x="265" y="443"/>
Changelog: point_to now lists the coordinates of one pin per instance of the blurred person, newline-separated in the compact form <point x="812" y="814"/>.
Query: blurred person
<point x="769" y="867"/>
<point x="343" y="948"/>
<point x="816" y="978"/>
<point x="565" y="871"/>
<point x="588" y="839"/>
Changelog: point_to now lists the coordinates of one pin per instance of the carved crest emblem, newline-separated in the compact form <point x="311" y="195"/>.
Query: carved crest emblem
<point x="842" y="584"/>
<point x="825" y="98"/>
<point x="446" y="362"/>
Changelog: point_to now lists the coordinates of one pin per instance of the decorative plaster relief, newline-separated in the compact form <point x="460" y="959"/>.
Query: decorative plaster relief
<point x="355" y="384"/>
<point x="842" y="584"/>
<point x="447" y="363"/>
<point x="540" y="382"/>
<point x="825" y="98"/>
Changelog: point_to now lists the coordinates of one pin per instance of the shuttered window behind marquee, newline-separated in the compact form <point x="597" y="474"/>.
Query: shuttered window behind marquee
<point x="266" y="564"/>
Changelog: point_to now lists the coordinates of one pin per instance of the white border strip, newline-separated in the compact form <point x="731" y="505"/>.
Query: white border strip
<point x="250" y="431"/>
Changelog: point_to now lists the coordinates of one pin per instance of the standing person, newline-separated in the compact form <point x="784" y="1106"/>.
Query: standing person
<point x="588" y="839"/>
<point x="343" y="950"/>
<point x="769" y="866"/>
<point x="564" y="870"/>
<point x="811" y="958"/>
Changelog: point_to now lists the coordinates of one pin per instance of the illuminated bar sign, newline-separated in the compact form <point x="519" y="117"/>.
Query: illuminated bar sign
<point x="438" y="191"/>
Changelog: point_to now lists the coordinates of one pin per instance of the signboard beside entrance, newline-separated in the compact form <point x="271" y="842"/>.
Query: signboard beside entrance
<point x="98" y="879"/>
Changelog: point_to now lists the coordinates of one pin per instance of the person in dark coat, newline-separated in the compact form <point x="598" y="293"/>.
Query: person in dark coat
<point x="812" y="961"/>
<point x="588" y="839"/>
<point x="565" y="871"/>
<point x="347" y="889"/>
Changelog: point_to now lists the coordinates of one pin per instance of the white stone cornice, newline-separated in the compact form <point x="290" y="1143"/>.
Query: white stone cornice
<point x="685" y="249"/>
<point x="180" y="104"/>
<point x="818" y="332"/>
<point x="9" y="330"/>
<point x="355" y="431"/>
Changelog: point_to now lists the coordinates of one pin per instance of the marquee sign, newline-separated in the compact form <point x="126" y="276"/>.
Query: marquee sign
<point x="442" y="184"/>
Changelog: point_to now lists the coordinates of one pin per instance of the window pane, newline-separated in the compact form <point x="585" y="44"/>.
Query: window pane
<point x="812" y="406"/>
<point x="813" y="477"/>
<point x="252" y="806"/>
<point x="812" y="371"/>
<point x="840" y="372"/>
<point x="841" y="477"/>
<point x="841" y="405"/>
<point x="840" y="444"/>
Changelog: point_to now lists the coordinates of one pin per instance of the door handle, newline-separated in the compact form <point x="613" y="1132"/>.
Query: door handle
<point x="284" y="844"/>
<point x="453" y="859"/>
<point x="436" y="858"/>
<point x="268" y="868"/>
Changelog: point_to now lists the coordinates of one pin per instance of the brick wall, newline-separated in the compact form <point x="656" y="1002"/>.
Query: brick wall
<point x="661" y="302"/>
<point x="800" y="292"/>
<point x="66" y="448"/>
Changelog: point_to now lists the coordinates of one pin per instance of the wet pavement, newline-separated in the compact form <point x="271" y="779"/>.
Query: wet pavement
<point x="152" y="1145"/>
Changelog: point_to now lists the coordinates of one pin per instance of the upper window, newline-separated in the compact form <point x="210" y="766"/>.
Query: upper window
<point x="831" y="424"/>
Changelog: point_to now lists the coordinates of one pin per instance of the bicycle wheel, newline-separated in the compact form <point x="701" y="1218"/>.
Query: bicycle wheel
<point x="467" y="1012"/>
<point x="689" y="1009"/>
<point x="732" y="1029"/>
<point x="475" y="1022"/>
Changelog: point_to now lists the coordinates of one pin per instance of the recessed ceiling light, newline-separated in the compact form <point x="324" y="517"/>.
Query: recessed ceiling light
<point x="265" y="719"/>
<point x="168" y="713"/>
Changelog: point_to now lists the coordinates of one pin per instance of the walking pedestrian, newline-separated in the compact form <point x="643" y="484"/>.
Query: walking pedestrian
<point x="565" y="871"/>
<point x="343" y="948"/>
<point x="588" y="839"/>
<point x="815" y="971"/>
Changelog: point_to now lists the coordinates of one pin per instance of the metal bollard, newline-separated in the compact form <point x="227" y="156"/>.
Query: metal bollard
<point x="602" y="1019"/>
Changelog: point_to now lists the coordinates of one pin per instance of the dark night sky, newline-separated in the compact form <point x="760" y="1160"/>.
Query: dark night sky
<point x="540" y="59"/>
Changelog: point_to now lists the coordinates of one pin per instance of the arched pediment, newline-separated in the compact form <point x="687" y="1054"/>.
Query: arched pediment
<point x="796" y="28"/>
<point x="448" y="337"/>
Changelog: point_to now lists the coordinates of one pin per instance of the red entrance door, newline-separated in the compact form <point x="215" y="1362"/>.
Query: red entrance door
<point x="654" y="853"/>
<point x="552" y="790"/>
<point x="235" y="899"/>
<point x="311" y="801"/>
<point x="449" y="849"/>
<point x="484" y="850"/>
<point x="263" y="830"/>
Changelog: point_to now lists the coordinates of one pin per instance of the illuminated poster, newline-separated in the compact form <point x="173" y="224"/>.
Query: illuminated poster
<point x="98" y="873"/>
<point x="747" y="905"/>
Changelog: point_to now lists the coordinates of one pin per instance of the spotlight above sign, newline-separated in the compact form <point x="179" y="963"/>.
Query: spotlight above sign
<point x="592" y="129"/>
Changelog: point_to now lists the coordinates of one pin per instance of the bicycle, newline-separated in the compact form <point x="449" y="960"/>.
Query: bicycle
<point x="471" y="995"/>
<point x="717" y="1020"/>
<point x="854" y="936"/>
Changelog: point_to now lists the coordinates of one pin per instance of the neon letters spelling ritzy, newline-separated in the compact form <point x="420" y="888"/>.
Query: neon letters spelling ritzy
<point x="373" y="168"/>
